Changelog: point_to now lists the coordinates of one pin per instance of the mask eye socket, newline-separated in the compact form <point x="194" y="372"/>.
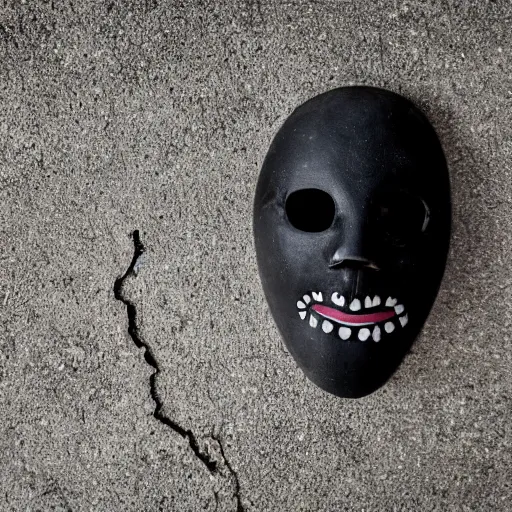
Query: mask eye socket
<point x="310" y="209"/>
<point x="402" y="217"/>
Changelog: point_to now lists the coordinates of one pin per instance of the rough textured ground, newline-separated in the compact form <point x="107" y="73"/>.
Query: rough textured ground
<point x="155" y="116"/>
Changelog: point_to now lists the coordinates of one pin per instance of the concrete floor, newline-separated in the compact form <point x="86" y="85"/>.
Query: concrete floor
<point x="156" y="116"/>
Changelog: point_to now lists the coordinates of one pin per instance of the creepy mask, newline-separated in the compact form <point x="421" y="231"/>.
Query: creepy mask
<point x="352" y="226"/>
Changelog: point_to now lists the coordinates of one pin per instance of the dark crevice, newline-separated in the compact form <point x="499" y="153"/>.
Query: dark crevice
<point x="133" y="331"/>
<point x="239" y="506"/>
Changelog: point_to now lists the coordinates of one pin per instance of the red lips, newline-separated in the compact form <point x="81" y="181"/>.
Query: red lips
<point x="347" y="318"/>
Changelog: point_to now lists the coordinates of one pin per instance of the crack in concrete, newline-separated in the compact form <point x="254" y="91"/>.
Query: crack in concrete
<point x="239" y="506"/>
<point x="133" y="331"/>
<point x="210" y="463"/>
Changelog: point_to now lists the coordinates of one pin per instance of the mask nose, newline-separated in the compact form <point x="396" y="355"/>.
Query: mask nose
<point x="351" y="257"/>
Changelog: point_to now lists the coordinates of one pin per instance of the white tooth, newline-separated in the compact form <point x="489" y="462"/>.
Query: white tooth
<point x="403" y="320"/>
<point x="390" y="302"/>
<point x="313" y="321"/>
<point x="338" y="299"/>
<point x="389" y="327"/>
<point x="367" y="302"/>
<point x="364" y="334"/>
<point x="327" y="326"/>
<point x="307" y="299"/>
<point x="301" y="305"/>
<point x="376" y="333"/>
<point x="317" y="296"/>
<point x="344" y="333"/>
<point x="376" y="301"/>
<point x="399" y="309"/>
<point x="302" y="314"/>
<point x="355" y="305"/>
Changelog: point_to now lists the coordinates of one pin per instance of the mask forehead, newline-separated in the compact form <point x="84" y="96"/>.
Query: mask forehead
<point x="352" y="144"/>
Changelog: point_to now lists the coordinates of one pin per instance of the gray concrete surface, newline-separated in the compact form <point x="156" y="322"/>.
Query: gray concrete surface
<point x="154" y="115"/>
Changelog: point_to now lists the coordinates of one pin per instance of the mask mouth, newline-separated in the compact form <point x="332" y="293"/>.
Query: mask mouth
<point x="362" y="319"/>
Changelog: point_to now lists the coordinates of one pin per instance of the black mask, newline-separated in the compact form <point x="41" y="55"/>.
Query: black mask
<point x="352" y="226"/>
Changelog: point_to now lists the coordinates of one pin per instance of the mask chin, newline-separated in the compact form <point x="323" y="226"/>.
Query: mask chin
<point x="352" y="225"/>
